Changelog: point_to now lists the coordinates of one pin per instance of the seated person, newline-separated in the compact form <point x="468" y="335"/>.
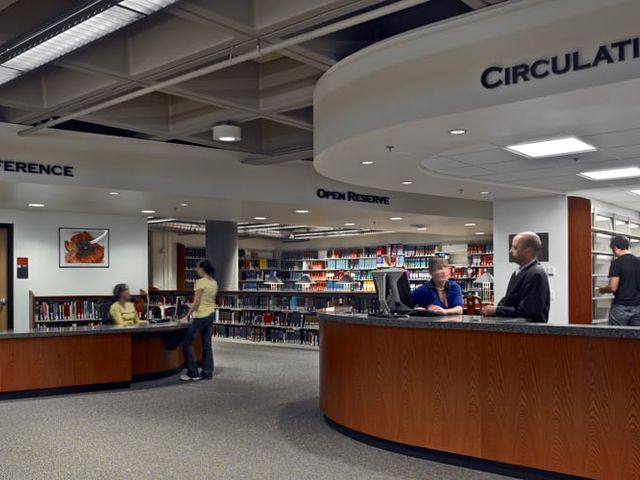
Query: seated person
<point x="439" y="294"/>
<point x="123" y="311"/>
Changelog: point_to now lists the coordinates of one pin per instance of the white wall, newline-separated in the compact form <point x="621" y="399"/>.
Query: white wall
<point x="547" y="214"/>
<point x="36" y="237"/>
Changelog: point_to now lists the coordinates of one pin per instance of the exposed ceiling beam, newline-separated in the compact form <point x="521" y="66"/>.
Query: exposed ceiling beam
<point x="278" y="157"/>
<point x="258" y="52"/>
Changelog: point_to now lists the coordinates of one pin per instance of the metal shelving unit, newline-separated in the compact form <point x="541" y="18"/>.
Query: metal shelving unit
<point x="604" y="226"/>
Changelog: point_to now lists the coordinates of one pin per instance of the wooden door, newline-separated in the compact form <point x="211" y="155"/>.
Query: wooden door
<point x="4" y="279"/>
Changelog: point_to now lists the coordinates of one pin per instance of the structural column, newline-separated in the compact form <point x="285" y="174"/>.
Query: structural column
<point x="222" y="251"/>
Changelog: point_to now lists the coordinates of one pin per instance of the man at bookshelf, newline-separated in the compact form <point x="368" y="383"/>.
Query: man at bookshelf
<point x="439" y="294"/>
<point x="624" y="283"/>
<point x="528" y="293"/>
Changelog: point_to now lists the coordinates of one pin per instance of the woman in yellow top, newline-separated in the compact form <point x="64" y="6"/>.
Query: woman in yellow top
<point x="123" y="311"/>
<point x="203" y="311"/>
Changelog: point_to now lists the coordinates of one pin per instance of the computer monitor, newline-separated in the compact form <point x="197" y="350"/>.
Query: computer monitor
<point x="394" y="292"/>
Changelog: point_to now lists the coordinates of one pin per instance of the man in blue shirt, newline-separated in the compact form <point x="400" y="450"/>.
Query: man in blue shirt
<point x="440" y="294"/>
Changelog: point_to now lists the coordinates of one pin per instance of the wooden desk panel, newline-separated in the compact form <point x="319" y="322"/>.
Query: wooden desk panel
<point x="157" y="353"/>
<point x="56" y="362"/>
<point x="567" y="404"/>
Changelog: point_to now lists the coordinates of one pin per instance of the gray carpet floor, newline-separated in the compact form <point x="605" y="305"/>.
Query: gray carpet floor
<point x="257" y="419"/>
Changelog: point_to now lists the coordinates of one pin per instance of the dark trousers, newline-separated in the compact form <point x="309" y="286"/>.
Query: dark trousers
<point x="204" y="327"/>
<point x="623" y="315"/>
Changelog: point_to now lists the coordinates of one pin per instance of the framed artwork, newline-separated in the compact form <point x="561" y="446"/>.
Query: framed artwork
<point x="543" y="255"/>
<point x="84" y="247"/>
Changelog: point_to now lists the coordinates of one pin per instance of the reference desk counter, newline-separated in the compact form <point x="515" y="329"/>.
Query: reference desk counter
<point x="557" y="398"/>
<point x="57" y="360"/>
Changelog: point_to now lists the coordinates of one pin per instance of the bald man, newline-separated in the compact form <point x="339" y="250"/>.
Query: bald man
<point x="528" y="291"/>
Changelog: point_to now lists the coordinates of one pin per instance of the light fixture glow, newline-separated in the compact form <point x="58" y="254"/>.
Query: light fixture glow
<point x="612" y="174"/>
<point x="485" y="193"/>
<point x="302" y="211"/>
<point x="259" y="218"/>
<point x="147" y="211"/>
<point x="184" y="204"/>
<point x="395" y="219"/>
<point x="421" y="229"/>
<point x="457" y="131"/>
<point x="469" y="224"/>
<point x="551" y="148"/>
<point x="227" y="132"/>
<point x="479" y="233"/>
<point x="79" y="28"/>
<point x="407" y="182"/>
<point x="367" y="162"/>
<point x="114" y="194"/>
<point x="349" y="224"/>
<point x="37" y="205"/>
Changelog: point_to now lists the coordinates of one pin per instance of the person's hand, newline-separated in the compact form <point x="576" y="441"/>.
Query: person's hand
<point x="602" y="290"/>
<point x="184" y="320"/>
<point x="436" y="309"/>
<point x="488" y="310"/>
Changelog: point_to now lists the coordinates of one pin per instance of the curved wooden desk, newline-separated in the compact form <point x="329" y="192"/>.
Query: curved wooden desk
<point x="562" y="399"/>
<point x="59" y="360"/>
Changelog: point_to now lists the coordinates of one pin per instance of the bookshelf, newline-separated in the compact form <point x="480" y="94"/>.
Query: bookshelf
<point x="187" y="259"/>
<point x="604" y="226"/>
<point x="325" y="267"/>
<point x="73" y="311"/>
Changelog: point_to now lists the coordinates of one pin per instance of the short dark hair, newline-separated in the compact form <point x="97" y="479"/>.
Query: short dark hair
<point x="437" y="264"/>
<point x="118" y="289"/>
<point x="207" y="267"/>
<point x="620" y="242"/>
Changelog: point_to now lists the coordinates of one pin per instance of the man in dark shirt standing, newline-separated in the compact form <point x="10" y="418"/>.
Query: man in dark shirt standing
<point x="623" y="283"/>
<point x="528" y="290"/>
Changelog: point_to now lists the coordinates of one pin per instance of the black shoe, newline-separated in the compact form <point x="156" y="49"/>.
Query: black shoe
<point x="205" y="377"/>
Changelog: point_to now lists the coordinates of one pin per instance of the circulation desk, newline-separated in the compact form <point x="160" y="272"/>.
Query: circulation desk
<point x="558" y="398"/>
<point x="57" y="360"/>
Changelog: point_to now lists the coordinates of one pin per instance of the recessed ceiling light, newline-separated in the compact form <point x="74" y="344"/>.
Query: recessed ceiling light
<point x="37" y="205"/>
<point x="184" y="204"/>
<point x="349" y="224"/>
<point x="422" y="229"/>
<point x="485" y="193"/>
<point x="114" y="193"/>
<point x="479" y="233"/>
<point x="395" y="219"/>
<point x="302" y="211"/>
<point x="147" y="211"/>
<point x="457" y="131"/>
<point x="259" y="218"/>
<point x="367" y="162"/>
<point x="469" y="224"/>
<point x="551" y="148"/>
<point x="407" y="182"/>
<point x="612" y="174"/>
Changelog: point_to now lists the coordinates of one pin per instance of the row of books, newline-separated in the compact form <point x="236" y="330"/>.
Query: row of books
<point x="420" y="250"/>
<point x="258" y="263"/>
<point x="281" y="319"/>
<point x="261" y="334"/>
<point x="480" y="248"/>
<point x="350" y="264"/>
<point x="360" y="303"/>
<point x="69" y="310"/>
<point x="481" y="260"/>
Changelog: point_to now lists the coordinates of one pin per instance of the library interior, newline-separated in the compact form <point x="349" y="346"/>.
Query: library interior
<point x="320" y="239"/>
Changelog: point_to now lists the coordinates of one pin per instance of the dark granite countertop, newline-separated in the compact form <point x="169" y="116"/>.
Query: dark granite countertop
<point x="96" y="330"/>
<point x="486" y="324"/>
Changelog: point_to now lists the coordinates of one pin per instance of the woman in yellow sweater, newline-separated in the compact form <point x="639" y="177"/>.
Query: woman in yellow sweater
<point x="123" y="311"/>
<point x="203" y="310"/>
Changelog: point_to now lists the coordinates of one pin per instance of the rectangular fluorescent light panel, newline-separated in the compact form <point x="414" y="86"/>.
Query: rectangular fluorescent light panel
<point x="85" y="32"/>
<point x="551" y="148"/>
<point x="614" y="174"/>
